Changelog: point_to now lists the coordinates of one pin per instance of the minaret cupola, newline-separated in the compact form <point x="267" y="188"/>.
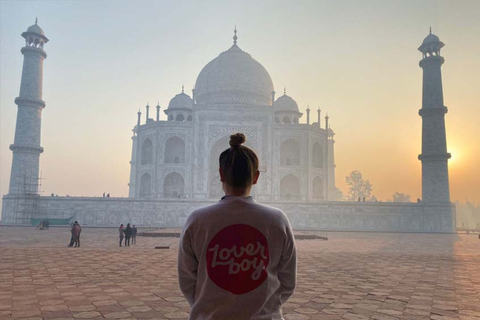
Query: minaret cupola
<point x="34" y="36"/>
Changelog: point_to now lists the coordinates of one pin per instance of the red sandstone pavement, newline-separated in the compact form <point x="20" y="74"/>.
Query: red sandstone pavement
<point x="352" y="276"/>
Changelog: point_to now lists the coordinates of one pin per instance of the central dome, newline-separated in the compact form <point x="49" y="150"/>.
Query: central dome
<point x="234" y="77"/>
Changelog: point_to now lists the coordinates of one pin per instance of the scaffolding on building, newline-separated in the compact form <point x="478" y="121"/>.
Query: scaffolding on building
<point x="26" y="200"/>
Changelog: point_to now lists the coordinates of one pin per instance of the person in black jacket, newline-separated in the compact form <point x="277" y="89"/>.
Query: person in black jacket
<point x="128" y="234"/>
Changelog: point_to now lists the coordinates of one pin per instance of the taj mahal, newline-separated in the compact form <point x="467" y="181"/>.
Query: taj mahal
<point x="178" y="158"/>
<point x="174" y="162"/>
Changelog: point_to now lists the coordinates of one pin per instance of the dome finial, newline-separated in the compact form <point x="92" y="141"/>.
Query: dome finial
<point x="36" y="20"/>
<point x="183" y="88"/>
<point x="235" y="35"/>
<point x="284" y="90"/>
<point x="430" y="29"/>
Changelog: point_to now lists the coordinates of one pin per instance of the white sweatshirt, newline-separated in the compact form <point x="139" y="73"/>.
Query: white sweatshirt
<point x="237" y="260"/>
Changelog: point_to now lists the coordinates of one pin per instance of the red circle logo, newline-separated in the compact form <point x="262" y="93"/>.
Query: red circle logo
<point x="237" y="258"/>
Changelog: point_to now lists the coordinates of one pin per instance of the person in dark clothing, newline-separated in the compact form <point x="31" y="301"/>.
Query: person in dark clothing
<point x="134" y="234"/>
<point x="75" y="238"/>
<point x="128" y="234"/>
<point x="76" y="233"/>
<point x="120" y="234"/>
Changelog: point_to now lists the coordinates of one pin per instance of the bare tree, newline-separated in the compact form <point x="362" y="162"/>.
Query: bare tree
<point x="358" y="188"/>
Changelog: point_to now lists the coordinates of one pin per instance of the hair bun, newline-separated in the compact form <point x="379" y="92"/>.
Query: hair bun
<point x="237" y="139"/>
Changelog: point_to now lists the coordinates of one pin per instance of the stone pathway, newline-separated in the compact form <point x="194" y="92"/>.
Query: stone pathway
<point x="353" y="276"/>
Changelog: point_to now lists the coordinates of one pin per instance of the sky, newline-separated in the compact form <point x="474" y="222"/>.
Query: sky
<point x="356" y="60"/>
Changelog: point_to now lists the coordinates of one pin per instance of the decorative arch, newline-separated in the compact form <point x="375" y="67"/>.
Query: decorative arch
<point x="189" y="118"/>
<point x="317" y="155"/>
<point x="180" y="117"/>
<point x="174" y="186"/>
<point x="290" y="188"/>
<point x="290" y="153"/>
<point x="277" y="120"/>
<point x="146" y="186"/>
<point x="317" y="189"/>
<point x="170" y="117"/>
<point x="286" y="119"/>
<point x="175" y="150"/>
<point x="146" y="156"/>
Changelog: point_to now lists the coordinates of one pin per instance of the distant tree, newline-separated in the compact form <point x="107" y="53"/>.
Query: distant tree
<point x="400" y="197"/>
<point x="358" y="187"/>
<point x="339" y="194"/>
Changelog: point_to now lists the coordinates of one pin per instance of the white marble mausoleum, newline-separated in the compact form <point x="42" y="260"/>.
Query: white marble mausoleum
<point x="178" y="157"/>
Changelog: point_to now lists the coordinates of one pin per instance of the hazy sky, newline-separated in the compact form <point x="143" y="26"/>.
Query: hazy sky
<point x="357" y="60"/>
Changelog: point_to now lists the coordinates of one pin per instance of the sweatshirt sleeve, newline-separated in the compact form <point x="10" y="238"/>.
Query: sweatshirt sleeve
<point x="287" y="269"/>
<point x="187" y="267"/>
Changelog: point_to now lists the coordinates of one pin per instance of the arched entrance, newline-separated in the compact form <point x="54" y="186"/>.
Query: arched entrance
<point x="290" y="188"/>
<point x="173" y="186"/>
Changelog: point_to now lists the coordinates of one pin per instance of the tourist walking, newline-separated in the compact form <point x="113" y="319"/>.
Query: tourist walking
<point x="128" y="234"/>
<point x="237" y="258"/>
<point x="134" y="234"/>
<point x="120" y="234"/>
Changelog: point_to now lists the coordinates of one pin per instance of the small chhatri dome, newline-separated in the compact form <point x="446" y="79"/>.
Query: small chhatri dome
<point x="234" y="77"/>
<point x="35" y="30"/>
<point x="431" y="43"/>
<point x="285" y="103"/>
<point x="431" y="38"/>
<point x="181" y="101"/>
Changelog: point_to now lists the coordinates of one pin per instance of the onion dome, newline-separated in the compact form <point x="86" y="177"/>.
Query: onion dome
<point x="431" y="38"/>
<point x="234" y="77"/>
<point x="285" y="103"/>
<point x="36" y="29"/>
<point x="181" y="101"/>
<point x="431" y="44"/>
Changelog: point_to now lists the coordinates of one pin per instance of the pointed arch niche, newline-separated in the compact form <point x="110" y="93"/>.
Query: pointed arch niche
<point x="290" y="188"/>
<point x="317" y="155"/>
<point x="146" y="156"/>
<point x="317" y="189"/>
<point x="174" y="186"/>
<point x="175" y="150"/>
<point x="290" y="153"/>
<point x="146" y="186"/>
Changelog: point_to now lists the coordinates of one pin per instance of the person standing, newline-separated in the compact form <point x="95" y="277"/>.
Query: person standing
<point x="128" y="234"/>
<point x="237" y="258"/>
<point x="76" y="230"/>
<point x="120" y="234"/>
<point x="134" y="234"/>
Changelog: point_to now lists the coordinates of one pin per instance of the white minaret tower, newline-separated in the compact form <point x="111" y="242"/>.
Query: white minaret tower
<point x="26" y="146"/>
<point x="434" y="157"/>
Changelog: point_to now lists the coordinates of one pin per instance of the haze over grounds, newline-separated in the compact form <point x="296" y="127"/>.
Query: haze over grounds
<point x="356" y="60"/>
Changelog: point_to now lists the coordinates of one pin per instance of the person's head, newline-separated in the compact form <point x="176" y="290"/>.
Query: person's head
<point x="238" y="167"/>
<point x="121" y="226"/>
<point x="128" y="224"/>
<point x="133" y="226"/>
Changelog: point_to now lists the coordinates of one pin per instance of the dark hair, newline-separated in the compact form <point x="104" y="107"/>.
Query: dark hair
<point x="239" y="163"/>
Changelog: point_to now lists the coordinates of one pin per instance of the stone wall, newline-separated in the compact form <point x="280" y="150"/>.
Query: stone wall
<point x="346" y="216"/>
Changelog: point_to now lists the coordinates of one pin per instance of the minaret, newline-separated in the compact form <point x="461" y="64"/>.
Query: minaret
<point x="147" y="107"/>
<point x="26" y="146"/>
<point x="434" y="155"/>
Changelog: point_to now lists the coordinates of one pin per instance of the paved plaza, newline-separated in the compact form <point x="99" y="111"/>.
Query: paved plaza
<point x="351" y="276"/>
